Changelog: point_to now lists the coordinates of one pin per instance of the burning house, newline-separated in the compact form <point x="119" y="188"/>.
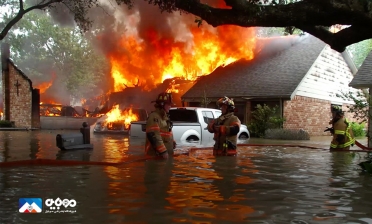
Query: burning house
<point x="155" y="55"/>
<point x="149" y="52"/>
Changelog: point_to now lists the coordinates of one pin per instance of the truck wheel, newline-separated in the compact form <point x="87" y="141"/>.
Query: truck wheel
<point x="192" y="138"/>
<point x="243" y="136"/>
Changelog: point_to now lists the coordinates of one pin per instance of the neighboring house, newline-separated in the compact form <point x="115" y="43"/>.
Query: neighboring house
<point x="363" y="80"/>
<point x="302" y="79"/>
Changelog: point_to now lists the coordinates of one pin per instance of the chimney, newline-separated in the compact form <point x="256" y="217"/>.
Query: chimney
<point x="5" y="54"/>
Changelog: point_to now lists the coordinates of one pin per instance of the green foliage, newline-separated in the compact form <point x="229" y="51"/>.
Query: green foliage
<point x="5" y="124"/>
<point x="359" y="51"/>
<point x="360" y="108"/>
<point x="16" y="10"/>
<point x="42" y="49"/>
<point x="263" y="118"/>
<point x="358" y="129"/>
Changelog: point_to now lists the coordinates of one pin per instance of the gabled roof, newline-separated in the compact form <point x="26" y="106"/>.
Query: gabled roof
<point x="270" y="74"/>
<point x="363" y="78"/>
<point x="23" y="75"/>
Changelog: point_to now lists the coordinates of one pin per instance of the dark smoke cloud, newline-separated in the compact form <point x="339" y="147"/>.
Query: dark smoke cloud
<point x="153" y="20"/>
<point x="59" y="13"/>
<point x="62" y="15"/>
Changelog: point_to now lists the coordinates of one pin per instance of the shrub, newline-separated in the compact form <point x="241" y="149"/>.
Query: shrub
<point x="358" y="129"/>
<point x="287" y="134"/>
<point x="5" y="124"/>
<point x="264" y="118"/>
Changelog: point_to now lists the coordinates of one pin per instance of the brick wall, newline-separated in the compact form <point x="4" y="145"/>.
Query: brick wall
<point x="309" y="114"/>
<point x="20" y="104"/>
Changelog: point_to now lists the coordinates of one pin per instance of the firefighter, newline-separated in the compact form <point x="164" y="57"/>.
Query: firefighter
<point x="225" y="128"/>
<point x="159" y="136"/>
<point x="343" y="136"/>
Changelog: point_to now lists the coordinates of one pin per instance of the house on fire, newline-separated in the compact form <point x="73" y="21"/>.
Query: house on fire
<point x="301" y="74"/>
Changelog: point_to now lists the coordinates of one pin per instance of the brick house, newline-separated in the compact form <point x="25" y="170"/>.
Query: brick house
<point x="302" y="78"/>
<point x="20" y="101"/>
<point x="363" y="80"/>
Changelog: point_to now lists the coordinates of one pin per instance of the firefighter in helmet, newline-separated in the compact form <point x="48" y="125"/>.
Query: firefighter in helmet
<point x="225" y="128"/>
<point x="159" y="136"/>
<point x="343" y="136"/>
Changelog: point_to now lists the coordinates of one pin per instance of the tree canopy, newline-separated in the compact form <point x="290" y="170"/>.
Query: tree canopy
<point x="61" y="55"/>
<point x="311" y="16"/>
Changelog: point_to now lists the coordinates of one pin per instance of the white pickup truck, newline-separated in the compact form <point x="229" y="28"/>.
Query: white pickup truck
<point x="189" y="125"/>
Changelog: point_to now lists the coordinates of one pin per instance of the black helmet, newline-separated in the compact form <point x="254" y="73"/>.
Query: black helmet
<point x="337" y="109"/>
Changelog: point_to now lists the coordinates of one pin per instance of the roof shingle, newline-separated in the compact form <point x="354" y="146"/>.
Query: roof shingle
<point x="270" y="74"/>
<point x="363" y="78"/>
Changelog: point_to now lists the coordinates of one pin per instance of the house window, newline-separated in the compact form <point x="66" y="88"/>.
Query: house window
<point x="239" y="111"/>
<point x="194" y="104"/>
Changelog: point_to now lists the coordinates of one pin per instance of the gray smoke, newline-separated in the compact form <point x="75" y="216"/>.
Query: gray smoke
<point x="58" y="11"/>
<point x="269" y="45"/>
<point x="62" y="15"/>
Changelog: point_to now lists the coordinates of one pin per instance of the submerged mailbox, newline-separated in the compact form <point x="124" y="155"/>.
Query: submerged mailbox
<point x="75" y="140"/>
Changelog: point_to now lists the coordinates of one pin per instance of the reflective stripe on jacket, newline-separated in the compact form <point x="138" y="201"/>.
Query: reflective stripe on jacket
<point x="343" y="135"/>
<point x="160" y="127"/>
<point x="226" y="122"/>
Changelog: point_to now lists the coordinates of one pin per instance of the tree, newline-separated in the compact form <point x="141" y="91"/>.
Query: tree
<point x="263" y="118"/>
<point x="360" y="51"/>
<point x="18" y="8"/>
<point x="361" y="107"/>
<point x="42" y="49"/>
<point x="205" y="100"/>
<point x="312" y="16"/>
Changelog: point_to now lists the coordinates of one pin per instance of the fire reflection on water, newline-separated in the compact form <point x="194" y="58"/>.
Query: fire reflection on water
<point x="122" y="178"/>
<point x="262" y="184"/>
<point x="199" y="189"/>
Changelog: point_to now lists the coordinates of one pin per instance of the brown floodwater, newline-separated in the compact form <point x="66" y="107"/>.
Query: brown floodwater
<point x="263" y="184"/>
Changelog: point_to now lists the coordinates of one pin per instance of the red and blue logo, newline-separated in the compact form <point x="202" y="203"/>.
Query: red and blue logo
<point x="30" y="205"/>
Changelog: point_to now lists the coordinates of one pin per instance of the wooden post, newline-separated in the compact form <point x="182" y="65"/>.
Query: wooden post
<point x="369" y="131"/>
<point x="5" y="54"/>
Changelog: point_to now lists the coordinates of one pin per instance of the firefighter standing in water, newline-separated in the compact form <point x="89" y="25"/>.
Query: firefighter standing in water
<point x="343" y="136"/>
<point x="159" y="136"/>
<point x="225" y="129"/>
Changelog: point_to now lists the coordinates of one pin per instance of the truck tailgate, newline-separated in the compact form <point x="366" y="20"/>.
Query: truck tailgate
<point x="138" y="129"/>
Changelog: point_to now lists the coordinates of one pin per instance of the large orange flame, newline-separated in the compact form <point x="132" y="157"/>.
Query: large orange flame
<point x="46" y="85"/>
<point x="160" y="58"/>
<point x="126" y="116"/>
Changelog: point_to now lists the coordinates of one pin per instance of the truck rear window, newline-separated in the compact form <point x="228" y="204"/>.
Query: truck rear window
<point x="183" y="115"/>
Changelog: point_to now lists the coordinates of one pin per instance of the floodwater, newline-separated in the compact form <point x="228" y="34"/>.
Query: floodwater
<point x="263" y="184"/>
